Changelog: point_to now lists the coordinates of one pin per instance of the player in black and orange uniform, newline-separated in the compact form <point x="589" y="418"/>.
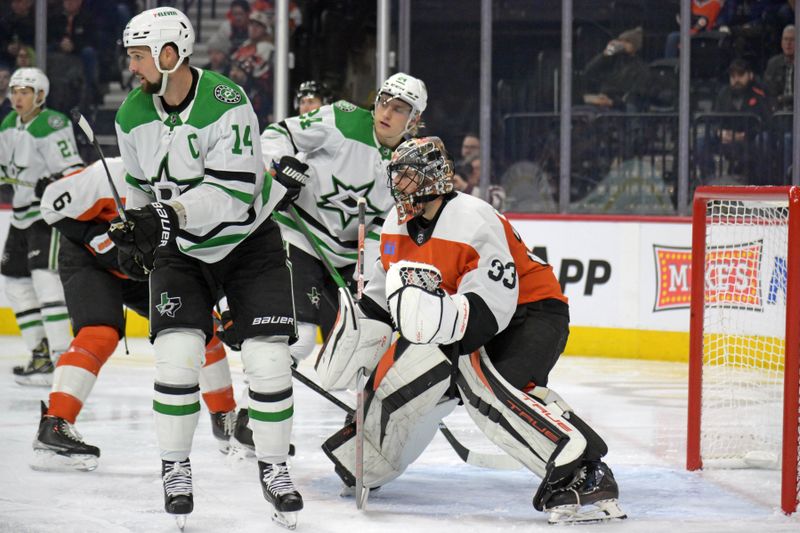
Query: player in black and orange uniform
<point x="96" y="287"/>
<point x="481" y="320"/>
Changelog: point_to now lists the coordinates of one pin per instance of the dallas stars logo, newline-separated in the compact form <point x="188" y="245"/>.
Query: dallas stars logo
<point x="314" y="296"/>
<point x="12" y="170"/>
<point x="168" y="306"/>
<point x="344" y="201"/>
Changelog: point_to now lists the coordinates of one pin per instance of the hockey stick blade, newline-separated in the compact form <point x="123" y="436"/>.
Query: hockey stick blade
<point x="87" y="130"/>
<point x="483" y="460"/>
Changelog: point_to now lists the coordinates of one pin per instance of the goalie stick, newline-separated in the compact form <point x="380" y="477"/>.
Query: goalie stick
<point x="484" y="460"/>
<point x="362" y="492"/>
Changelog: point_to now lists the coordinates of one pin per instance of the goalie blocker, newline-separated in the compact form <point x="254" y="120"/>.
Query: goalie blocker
<point x="481" y="321"/>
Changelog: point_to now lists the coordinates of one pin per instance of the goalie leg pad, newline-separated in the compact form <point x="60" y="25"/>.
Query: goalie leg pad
<point x="535" y="433"/>
<point x="406" y="400"/>
<point x="354" y="342"/>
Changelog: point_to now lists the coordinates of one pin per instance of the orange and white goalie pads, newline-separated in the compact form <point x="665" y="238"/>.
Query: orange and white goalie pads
<point x="406" y="400"/>
<point x="532" y="428"/>
<point x="354" y="342"/>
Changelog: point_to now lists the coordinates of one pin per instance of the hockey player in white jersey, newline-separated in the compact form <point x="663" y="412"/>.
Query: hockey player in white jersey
<point x="344" y="150"/>
<point x="198" y="216"/>
<point x="481" y="320"/>
<point x="96" y="287"/>
<point x="35" y="142"/>
<point x="311" y="95"/>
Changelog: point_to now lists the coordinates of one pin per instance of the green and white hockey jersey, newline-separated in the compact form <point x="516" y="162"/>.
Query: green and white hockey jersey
<point x="28" y="152"/>
<point x="345" y="161"/>
<point x="205" y="157"/>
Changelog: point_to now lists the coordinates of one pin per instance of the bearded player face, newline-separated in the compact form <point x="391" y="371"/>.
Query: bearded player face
<point x="143" y="67"/>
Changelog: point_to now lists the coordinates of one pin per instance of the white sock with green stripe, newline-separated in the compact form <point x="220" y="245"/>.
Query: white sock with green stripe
<point x="176" y="400"/>
<point x="25" y="305"/>
<point x="268" y="367"/>
<point x="54" y="311"/>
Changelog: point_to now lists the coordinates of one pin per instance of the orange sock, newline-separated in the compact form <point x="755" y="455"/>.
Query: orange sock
<point x="220" y="400"/>
<point x="77" y="370"/>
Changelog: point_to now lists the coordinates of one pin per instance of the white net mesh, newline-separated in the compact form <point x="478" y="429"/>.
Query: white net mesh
<point x="743" y="333"/>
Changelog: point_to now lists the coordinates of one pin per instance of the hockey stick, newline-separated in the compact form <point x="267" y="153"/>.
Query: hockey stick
<point x="362" y="493"/>
<point x="14" y="181"/>
<point x="496" y="461"/>
<point x="87" y="130"/>
<point x="305" y="380"/>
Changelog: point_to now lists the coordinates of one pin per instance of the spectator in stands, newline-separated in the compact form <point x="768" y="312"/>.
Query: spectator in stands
<point x="617" y="78"/>
<point x="71" y="32"/>
<point x="26" y="57"/>
<point x="751" y="24"/>
<point x="17" y="29"/>
<point x="218" y="57"/>
<point x="252" y="66"/>
<point x="295" y="15"/>
<point x="779" y="75"/>
<point x="470" y="146"/>
<point x="737" y="139"/>
<point x="234" y="29"/>
<point x="5" y="101"/>
<point x="704" y="18"/>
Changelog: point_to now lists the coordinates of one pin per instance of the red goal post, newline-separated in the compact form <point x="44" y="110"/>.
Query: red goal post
<point x="739" y="351"/>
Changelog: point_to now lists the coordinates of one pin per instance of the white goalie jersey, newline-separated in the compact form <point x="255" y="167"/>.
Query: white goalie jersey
<point x="345" y="162"/>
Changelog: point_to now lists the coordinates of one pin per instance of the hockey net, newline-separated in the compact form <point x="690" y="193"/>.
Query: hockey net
<point x="745" y="322"/>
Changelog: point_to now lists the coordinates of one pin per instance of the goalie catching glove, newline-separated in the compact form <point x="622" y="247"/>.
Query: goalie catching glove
<point x="422" y="312"/>
<point x="291" y="173"/>
<point x="148" y="227"/>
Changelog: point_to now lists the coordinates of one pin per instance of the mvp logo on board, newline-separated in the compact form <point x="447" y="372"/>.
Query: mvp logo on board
<point x="731" y="276"/>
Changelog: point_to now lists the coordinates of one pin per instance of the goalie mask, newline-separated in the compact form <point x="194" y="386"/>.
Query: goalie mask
<point x="420" y="171"/>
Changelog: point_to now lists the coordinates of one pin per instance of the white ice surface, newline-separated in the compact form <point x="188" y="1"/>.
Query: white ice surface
<point x="638" y="406"/>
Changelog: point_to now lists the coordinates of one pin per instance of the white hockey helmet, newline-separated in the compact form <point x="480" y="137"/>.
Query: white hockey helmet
<point x="410" y="90"/>
<point x="35" y="79"/>
<point x="157" y="27"/>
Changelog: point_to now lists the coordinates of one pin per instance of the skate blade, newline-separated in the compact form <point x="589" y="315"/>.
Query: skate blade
<point x="180" y="520"/>
<point x="224" y="446"/>
<point x="238" y="453"/>
<point x="601" y="511"/>
<point x="50" y="461"/>
<point x="35" y="380"/>
<point x="287" y="520"/>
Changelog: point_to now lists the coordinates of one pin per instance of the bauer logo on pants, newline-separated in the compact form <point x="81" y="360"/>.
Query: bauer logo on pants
<point x="168" y="306"/>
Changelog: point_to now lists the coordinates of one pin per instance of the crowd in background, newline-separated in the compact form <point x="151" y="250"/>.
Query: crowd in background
<point x="741" y="81"/>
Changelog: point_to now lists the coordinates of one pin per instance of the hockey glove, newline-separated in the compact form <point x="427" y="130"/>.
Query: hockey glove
<point x="225" y="331"/>
<point x="98" y="243"/>
<point x="136" y="266"/>
<point x="421" y="311"/>
<point x="42" y="184"/>
<point x="148" y="228"/>
<point x="291" y="173"/>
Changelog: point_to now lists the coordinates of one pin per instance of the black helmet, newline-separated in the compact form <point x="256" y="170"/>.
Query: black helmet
<point x="313" y="88"/>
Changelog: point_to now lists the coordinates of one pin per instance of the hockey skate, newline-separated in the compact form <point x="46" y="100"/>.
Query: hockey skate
<point x="178" y="499"/>
<point x="59" y="447"/>
<point x="223" y="426"/>
<point x="591" y="495"/>
<point x="279" y="491"/>
<point x="241" y="443"/>
<point x="39" y="370"/>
